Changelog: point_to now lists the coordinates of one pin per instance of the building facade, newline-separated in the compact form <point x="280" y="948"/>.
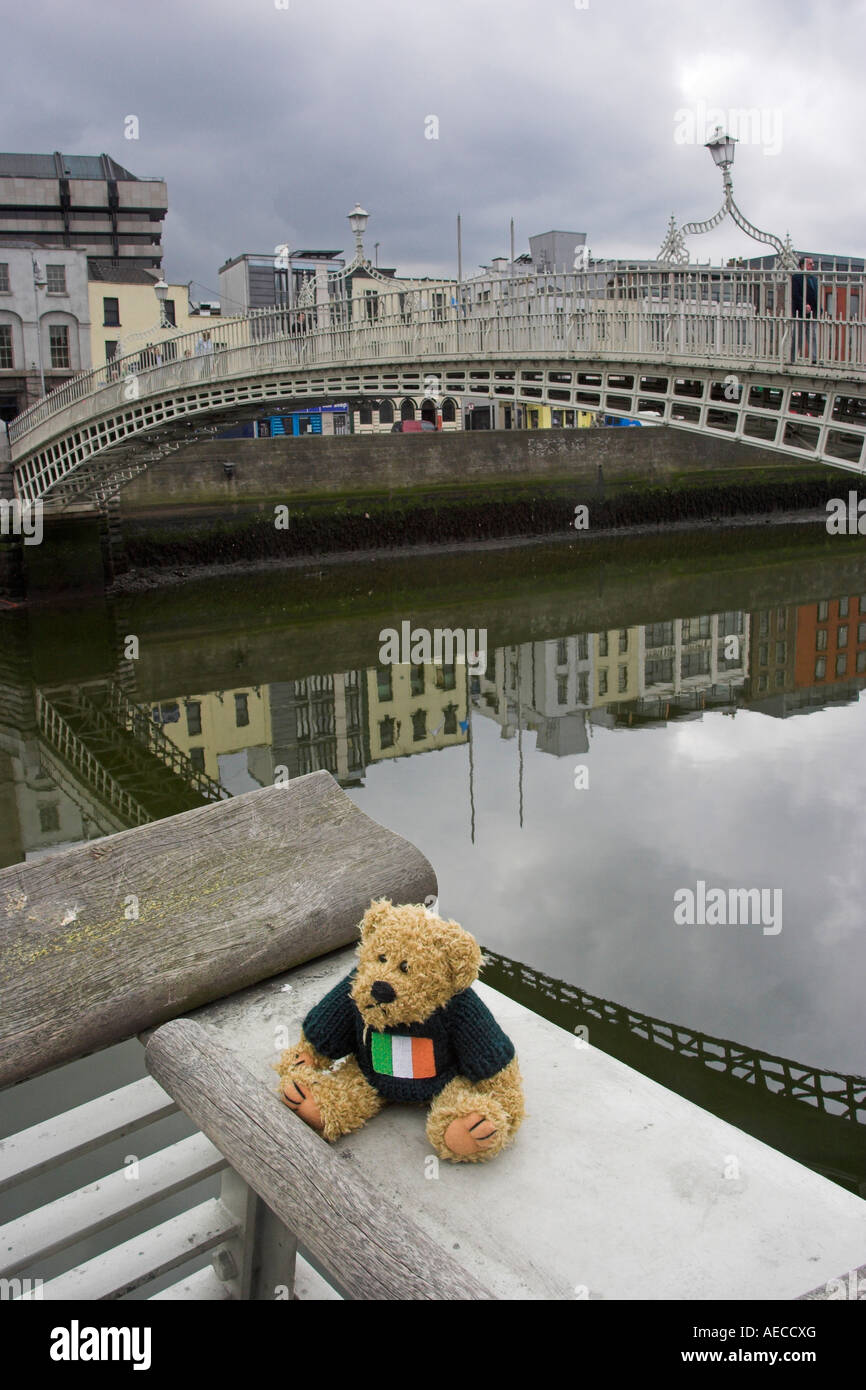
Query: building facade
<point x="44" y="322"/>
<point x="89" y="202"/>
<point x="125" y="312"/>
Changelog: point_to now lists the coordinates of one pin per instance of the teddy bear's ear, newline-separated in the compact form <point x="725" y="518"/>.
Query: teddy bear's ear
<point x="464" y="956"/>
<point x="375" y="915"/>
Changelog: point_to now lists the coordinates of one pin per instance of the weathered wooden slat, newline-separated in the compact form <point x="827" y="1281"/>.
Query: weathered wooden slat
<point x="145" y="1257"/>
<point x="90" y="1209"/>
<point x="363" y="1242"/>
<point x="201" y="1287"/>
<point x="73" y="1132"/>
<point x="154" y="921"/>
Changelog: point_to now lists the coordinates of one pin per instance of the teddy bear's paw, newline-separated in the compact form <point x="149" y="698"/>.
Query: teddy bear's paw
<point x="299" y="1098"/>
<point x="470" y="1136"/>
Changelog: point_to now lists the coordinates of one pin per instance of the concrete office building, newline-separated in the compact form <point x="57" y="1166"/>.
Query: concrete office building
<point x="89" y="202"/>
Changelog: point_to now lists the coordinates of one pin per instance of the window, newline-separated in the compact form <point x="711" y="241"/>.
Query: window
<point x="781" y="653"/>
<point x="623" y="679"/>
<point x="762" y="682"/>
<point x="386" y="412"/>
<point x="58" y="340"/>
<point x="111" y="313"/>
<point x="764" y="625"/>
<point x="6" y="358"/>
<point x="365" y="413"/>
<point x="602" y="644"/>
<point x="242" y="713"/>
<point x="821" y="640"/>
<point x="451" y="717"/>
<point x="820" y="668"/>
<point x="562" y="690"/>
<point x="386" y="732"/>
<point x="193" y="717"/>
<point x="841" y="664"/>
<point x="843" y="608"/>
<point x="111" y="349"/>
<point x="168" y="312"/>
<point x="780" y="678"/>
<point x="623" y="640"/>
<point x="781" y="617"/>
<point x="583" y="688"/>
<point x="55" y="276"/>
<point x="861" y="663"/>
<point x="842" y="636"/>
<point x="823" y="610"/>
<point x="419" y="725"/>
<point x="695" y="664"/>
<point x="371" y="304"/>
<point x="196" y="757"/>
<point x="4" y="277"/>
<point x="561" y="652"/>
<point x="49" y="817"/>
<point x="602" y="682"/>
<point x="763" y="654"/>
<point x="861" y="632"/>
<point x="863" y="603"/>
<point x="449" y="411"/>
<point x="695" y="628"/>
<point x="384" y="688"/>
<point x="660" y="670"/>
<point x="446" y="677"/>
<point x="417" y="680"/>
<point x="582" y="647"/>
<point x="659" y="635"/>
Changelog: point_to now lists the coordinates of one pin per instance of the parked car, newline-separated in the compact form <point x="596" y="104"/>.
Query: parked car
<point x="412" y="426"/>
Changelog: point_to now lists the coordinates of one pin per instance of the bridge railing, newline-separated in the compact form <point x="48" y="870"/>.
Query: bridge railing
<point x="726" y="316"/>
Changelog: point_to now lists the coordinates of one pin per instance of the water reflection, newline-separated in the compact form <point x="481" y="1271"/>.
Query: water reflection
<point x="481" y="771"/>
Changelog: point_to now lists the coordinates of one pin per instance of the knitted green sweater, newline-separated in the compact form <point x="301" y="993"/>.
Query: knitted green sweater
<point x="415" y="1061"/>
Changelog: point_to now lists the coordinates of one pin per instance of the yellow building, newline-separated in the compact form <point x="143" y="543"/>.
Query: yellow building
<point x="207" y="727"/>
<point x="616" y="669"/>
<point x="125" y="312"/>
<point x="415" y="708"/>
<point x="546" y="417"/>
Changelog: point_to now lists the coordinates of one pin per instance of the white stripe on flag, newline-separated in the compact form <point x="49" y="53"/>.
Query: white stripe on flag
<point x="401" y="1056"/>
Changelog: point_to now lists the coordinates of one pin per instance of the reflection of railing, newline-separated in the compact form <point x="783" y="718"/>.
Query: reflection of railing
<point x="829" y="1092"/>
<point x="76" y="753"/>
<point x="138" y="722"/>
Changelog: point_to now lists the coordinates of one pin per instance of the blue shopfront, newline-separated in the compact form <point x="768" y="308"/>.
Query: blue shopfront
<point x="314" y="419"/>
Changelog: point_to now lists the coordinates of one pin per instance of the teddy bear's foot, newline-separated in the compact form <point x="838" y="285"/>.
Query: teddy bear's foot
<point x="300" y="1099"/>
<point x="472" y="1123"/>
<point x="331" y="1102"/>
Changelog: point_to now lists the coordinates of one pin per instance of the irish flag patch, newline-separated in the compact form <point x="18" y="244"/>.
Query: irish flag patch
<point x="408" y="1057"/>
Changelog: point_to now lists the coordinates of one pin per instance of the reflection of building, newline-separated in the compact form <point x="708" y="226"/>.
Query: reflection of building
<point x="320" y="722"/>
<point x="773" y="647"/>
<point x="831" y="641"/>
<point x="689" y="654"/>
<point x="416" y="708"/>
<point x="208" y="727"/>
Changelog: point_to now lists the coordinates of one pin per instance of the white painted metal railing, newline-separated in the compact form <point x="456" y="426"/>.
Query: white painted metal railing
<point x="720" y="317"/>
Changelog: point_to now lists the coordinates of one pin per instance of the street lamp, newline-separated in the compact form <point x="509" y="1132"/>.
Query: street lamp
<point x="160" y="289"/>
<point x="358" y="219"/>
<point x="673" y="248"/>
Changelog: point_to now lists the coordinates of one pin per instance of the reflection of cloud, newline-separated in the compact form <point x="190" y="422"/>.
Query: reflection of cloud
<point x="585" y="890"/>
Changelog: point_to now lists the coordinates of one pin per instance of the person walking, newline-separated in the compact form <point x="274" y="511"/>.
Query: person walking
<point x="804" y="305"/>
<point x="204" y="350"/>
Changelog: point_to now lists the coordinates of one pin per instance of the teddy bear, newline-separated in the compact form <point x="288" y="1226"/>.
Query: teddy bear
<point x="410" y="1028"/>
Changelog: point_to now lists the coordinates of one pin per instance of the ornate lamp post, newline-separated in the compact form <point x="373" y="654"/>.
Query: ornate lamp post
<point x="673" y="248"/>
<point x="358" y="219"/>
<point x="160" y="289"/>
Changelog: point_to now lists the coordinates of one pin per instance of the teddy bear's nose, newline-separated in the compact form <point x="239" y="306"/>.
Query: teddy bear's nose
<point x="382" y="992"/>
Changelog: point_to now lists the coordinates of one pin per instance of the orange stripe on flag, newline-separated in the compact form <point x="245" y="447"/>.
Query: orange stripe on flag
<point x="423" y="1061"/>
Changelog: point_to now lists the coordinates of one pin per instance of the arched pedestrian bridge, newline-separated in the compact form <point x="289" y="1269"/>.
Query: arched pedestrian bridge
<point x="715" y="351"/>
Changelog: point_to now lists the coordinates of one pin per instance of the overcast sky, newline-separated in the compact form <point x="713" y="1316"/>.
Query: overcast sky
<point x="268" y="123"/>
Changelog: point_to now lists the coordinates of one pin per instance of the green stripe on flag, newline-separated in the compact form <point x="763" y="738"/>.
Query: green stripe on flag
<point x="380" y="1051"/>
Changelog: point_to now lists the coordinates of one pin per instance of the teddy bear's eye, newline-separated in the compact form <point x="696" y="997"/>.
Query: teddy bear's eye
<point x="404" y="966"/>
<point x="383" y="959"/>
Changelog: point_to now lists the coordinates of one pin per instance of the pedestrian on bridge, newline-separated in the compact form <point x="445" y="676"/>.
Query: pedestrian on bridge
<point x="804" y="305"/>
